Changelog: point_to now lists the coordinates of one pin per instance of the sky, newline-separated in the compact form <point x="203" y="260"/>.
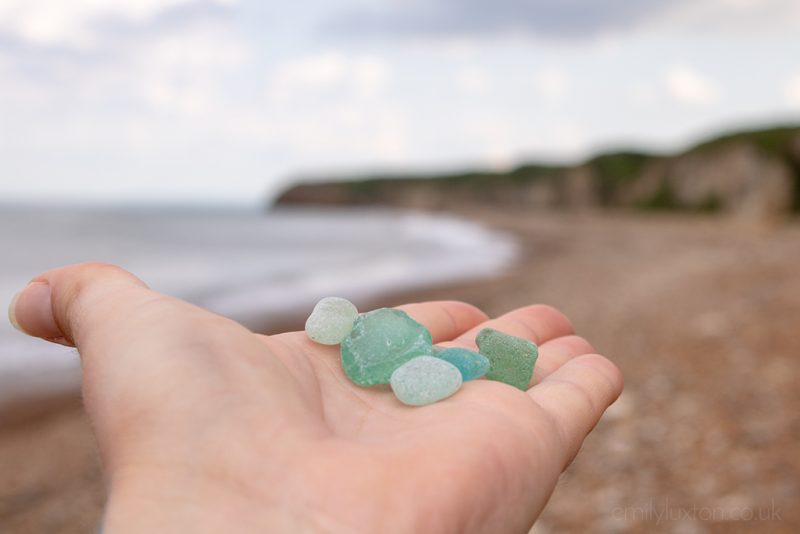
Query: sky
<point x="229" y="101"/>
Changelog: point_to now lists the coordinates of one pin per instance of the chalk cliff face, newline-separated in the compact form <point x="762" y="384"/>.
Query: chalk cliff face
<point x="751" y="174"/>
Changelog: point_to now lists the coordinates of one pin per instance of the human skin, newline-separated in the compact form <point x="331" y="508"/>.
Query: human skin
<point x="204" y="426"/>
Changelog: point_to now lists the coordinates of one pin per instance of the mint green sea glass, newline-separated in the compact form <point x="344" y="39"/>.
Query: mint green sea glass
<point x="512" y="358"/>
<point x="331" y="320"/>
<point x="381" y="341"/>
<point x="424" y="380"/>
<point x="471" y="364"/>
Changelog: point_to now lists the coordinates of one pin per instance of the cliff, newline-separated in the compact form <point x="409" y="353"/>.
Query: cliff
<point x="752" y="173"/>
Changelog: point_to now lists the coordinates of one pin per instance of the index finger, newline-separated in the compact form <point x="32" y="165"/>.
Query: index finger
<point x="446" y="319"/>
<point x="538" y="323"/>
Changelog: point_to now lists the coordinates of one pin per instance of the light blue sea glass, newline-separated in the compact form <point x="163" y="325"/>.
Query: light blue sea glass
<point x="471" y="364"/>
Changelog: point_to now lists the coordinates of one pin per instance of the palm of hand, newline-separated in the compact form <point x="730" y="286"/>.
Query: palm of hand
<point x="484" y="460"/>
<point x="268" y="432"/>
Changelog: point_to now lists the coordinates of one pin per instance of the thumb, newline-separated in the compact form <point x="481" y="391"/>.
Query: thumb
<point x="157" y="370"/>
<point x="110" y="316"/>
<point x="121" y="328"/>
<point x="56" y="305"/>
<point x="131" y="339"/>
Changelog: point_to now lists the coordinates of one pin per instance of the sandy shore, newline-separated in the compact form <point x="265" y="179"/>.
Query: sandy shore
<point x="703" y="317"/>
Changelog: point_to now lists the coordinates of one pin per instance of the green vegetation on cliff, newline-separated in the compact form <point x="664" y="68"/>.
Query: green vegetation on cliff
<point x="773" y="141"/>
<point x="746" y="170"/>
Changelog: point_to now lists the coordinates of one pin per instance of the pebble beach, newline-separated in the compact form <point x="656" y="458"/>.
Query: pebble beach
<point x="701" y="314"/>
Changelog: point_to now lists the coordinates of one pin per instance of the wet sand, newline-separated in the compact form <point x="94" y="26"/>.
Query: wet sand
<point x="701" y="314"/>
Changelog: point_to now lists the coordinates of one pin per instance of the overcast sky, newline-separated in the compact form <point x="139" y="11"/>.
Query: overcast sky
<point x="225" y="100"/>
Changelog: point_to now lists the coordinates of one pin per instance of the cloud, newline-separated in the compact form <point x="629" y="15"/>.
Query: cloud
<point x="689" y="87"/>
<point x="76" y="23"/>
<point x="473" y="81"/>
<point x="793" y="92"/>
<point x="735" y="17"/>
<point x="364" y="75"/>
<point x="328" y="103"/>
<point x="156" y="77"/>
<point x="184" y="71"/>
<point x="552" y="84"/>
<point x="562" y="20"/>
<point x="117" y="58"/>
<point x="556" y="19"/>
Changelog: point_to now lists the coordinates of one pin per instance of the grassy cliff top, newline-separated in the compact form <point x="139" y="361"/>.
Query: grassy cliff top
<point x="614" y="167"/>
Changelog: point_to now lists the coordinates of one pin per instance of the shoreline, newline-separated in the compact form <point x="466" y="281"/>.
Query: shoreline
<point x="686" y="306"/>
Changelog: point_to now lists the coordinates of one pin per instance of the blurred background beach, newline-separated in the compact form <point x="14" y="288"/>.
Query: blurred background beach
<point x="635" y="164"/>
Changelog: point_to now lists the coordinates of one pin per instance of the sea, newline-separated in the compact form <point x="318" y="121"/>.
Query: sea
<point x="251" y="265"/>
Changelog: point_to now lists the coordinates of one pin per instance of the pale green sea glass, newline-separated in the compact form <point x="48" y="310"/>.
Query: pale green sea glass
<point x="331" y="320"/>
<point x="381" y="341"/>
<point x="424" y="380"/>
<point x="512" y="358"/>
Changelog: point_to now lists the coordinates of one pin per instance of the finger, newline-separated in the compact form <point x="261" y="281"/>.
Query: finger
<point x="538" y="323"/>
<point x="136" y="344"/>
<point x="114" y="319"/>
<point x="109" y="315"/>
<point x="81" y="304"/>
<point x="556" y="352"/>
<point x="575" y="397"/>
<point x="53" y="305"/>
<point x="118" y="324"/>
<point x="445" y="319"/>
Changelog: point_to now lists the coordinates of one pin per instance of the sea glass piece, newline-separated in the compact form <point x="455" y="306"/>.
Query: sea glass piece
<point x="331" y="320"/>
<point x="425" y="379"/>
<point x="381" y="341"/>
<point x="512" y="358"/>
<point x="471" y="364"/>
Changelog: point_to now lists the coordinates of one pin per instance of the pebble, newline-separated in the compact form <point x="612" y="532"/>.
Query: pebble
<point x="512" y="358"/>
<point x="381" y="341"/>
<point x="471" y="364"/>
<point x="331" y="320"/>
<point x="424" y="380"/>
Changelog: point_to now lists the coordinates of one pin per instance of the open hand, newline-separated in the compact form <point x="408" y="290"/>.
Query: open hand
<point x="204" y="426"/>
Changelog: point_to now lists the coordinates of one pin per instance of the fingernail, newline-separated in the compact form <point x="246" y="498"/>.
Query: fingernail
<point x="12" y="312"/>
<point x="31" y="312"/>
